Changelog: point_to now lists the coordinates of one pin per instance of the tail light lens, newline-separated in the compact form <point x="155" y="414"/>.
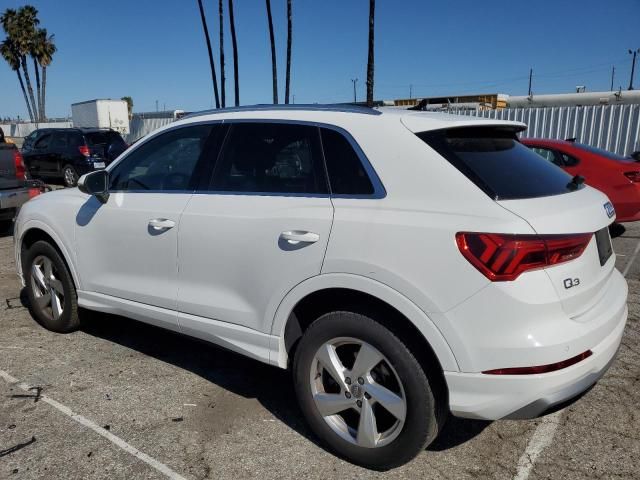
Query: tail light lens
<point x="502" y="257"/>
<point x="552" y="367"/>
<point x="633" y="176"/>
<point x="34" y="192"/>
<point x="84" y="150"/>
<point x="21" y="171"/>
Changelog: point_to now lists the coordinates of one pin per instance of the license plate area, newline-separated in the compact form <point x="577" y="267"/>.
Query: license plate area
<point x="97" y="165"/>
<point x="603" y="241"/>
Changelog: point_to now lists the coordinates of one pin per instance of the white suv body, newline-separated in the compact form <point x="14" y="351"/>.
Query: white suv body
<point x="241" y="260"/>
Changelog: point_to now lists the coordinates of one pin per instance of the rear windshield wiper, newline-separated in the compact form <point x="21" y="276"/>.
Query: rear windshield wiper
<point x="575" y="183"/>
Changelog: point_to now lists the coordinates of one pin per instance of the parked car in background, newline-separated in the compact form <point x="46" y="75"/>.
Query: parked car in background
<point x="615" y="175"/>
<point x="15" y="185"/>
<point x="68" y="153"/>
<point x="403" y="264"/>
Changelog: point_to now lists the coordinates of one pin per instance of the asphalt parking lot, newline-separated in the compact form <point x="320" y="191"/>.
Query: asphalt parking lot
<point x="120" y="399"/>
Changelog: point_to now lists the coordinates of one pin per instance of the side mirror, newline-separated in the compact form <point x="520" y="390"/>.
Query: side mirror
<point x="95" y="183"/>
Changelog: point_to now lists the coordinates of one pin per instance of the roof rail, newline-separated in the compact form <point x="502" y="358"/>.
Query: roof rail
<point x="316" y="107"/>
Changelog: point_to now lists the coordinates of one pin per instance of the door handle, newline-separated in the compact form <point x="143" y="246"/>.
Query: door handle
<point x="161" y="224"/>
<point x="299" y="236"/>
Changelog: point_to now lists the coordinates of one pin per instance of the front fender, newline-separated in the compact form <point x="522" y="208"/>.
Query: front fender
<point x="69" y="258"/>
<point x="365" y="285"/>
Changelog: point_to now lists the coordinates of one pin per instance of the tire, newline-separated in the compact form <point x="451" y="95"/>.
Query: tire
<point x="398" y="371"/>
<point x="69" y="176"/>
<point x="47" y="275"/>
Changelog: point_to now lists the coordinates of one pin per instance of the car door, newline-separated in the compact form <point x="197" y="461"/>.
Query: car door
<point x="52" y="162"/>
<point x="127" y="246"/>
<point x="260" y="229"/>
<point x="37" y="156"/>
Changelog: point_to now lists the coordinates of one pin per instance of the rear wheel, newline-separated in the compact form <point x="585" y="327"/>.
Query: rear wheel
<point x="50" y="289"/>
<point x="69" y="176"/>
<point x="363" y="392"/>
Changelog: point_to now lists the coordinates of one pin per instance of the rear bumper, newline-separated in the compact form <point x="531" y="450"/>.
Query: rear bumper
<point x="11" y="201"/>
<point x="491" y="397"/>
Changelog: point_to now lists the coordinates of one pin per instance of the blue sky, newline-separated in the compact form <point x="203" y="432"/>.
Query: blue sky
<point x="154" y="50"/>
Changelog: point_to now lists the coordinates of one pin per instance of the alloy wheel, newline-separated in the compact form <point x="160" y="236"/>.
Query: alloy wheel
<point x="358" y="393"/>
<point x="48" y="290"/>
<point x="69" y="177"/>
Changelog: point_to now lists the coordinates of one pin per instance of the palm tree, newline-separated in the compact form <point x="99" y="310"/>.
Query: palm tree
<point x="211" y="64"/>
<point x="372" y="8"/>
<point x="9" y="52"/>
<point x="274" y="66"/>
<point x="289" y="34"/>
<point x="46" y="50"/>
<point x="24" y="31"/>
<point x="232" y="25"/>
<point x="19" y="26"/>
<point x="222" y="79"/>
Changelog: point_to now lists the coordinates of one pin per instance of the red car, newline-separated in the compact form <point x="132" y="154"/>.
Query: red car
<point x="618" y="177"/>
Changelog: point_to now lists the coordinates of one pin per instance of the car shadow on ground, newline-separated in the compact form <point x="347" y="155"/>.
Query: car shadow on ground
<point x="246" y="377"/>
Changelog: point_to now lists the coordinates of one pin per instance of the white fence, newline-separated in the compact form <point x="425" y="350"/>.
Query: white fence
<point x="140" y="126"/>
<point x="612" y="127"/>
<point x="21" y="130"/>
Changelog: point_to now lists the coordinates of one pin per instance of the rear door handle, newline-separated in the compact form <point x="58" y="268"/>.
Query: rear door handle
<point x="299" y="236"/>
<point x="161" y="224"/>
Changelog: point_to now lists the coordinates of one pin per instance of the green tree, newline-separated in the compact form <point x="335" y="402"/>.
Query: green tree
<point x="129" y="101"/>
<point x="9" y="52"/>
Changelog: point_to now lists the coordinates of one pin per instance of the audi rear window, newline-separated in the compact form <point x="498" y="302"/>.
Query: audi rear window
<point x="498" y="163"/>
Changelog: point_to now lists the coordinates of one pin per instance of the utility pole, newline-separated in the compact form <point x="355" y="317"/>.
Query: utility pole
<point x="410" y="91"/>
<point x="354" y="81"/>
<point x="530" y="77"/>
<point x="613" y="74"/>
<point x="633" y="66"/>
<point x="156" y="105"/>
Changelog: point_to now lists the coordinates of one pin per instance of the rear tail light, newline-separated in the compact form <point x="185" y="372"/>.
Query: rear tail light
<point x="502" y="257"/>
<point x="21" y="171"/>
<point x="84" y="150"/>
<point x="34" y="192"/>
<point x="633" y="176"/>
<point x="552" y="367"/>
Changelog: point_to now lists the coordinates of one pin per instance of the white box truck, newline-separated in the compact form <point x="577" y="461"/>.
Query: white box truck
<point x="101" y="113"/>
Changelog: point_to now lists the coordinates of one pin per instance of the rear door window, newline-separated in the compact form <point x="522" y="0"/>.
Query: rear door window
<point x="271" y="158"/>
<point x="498" y="163"/>
<point x="59" y="140"/>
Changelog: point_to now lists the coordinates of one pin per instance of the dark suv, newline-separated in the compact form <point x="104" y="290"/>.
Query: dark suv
<point x="68" y="153"/>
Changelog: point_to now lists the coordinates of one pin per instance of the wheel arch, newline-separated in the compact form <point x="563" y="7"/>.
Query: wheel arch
<point x="34" y="231"/>
<point x="331" y="291"/>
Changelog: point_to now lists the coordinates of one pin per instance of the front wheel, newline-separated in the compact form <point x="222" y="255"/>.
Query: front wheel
<point x="69" y="176"/>
<point x="50" y="289"/>
<point x="363" y="392"/>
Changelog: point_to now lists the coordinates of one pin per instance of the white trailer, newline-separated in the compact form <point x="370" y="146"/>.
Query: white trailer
<point x="101" y="113"/>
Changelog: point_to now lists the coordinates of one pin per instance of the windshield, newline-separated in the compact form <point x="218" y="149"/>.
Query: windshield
<point x="498" y="163"/>
<point x="103" y="138"/>
<point x="603" y="153"/>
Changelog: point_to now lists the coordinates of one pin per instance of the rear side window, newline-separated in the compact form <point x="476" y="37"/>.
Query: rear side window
<point x="498" y="163"/>
<point x="103" y="138"/>
<point x="271" y="158"/>
<point x="347" y="175"/>
<point x="76" y="139"/>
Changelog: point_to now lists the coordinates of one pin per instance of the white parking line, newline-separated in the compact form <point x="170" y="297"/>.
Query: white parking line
<point x="162" y="468"/>
<point x="544" y="432"/>
<point x="542" y="437"/>
<point x="627" y="267"/>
